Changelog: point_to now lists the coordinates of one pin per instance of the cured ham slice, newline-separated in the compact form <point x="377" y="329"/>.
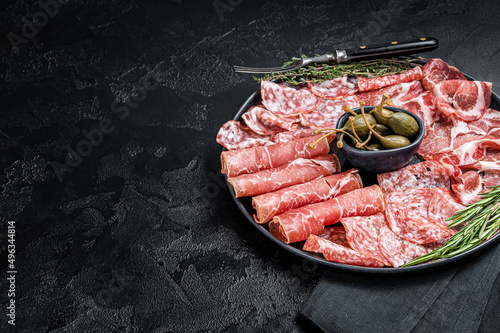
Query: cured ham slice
<point x="287" y="100"/>
<point x="426" y="174"/>
<point x="334" y="89"/>
<point x="271" y="204"/>
<point x="338" y="252"/>
<point x="291" y="135"/>
<point x="407" y="216"/>
<point x="466" y="100"/>
<point x="241" y="161"/>
<point x="362" y="234"/>
<point x="399" y="251"/>
<point x="372" y="83"/>
<point x="296" y="172"/>
<point x="233" y="135"/>
<point x="398" y="93"/>
<point x="436" y="70"/>
<point x="467" y="187"/>
<point x="328" y="112"/>
<point x="423" y="106"/>
<point x="297" y="224"/>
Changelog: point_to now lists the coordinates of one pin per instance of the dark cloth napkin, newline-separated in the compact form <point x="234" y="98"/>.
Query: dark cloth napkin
<point x="462" y="298"/>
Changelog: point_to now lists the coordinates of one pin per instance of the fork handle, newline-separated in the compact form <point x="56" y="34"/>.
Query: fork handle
<point x="387" y="50"/>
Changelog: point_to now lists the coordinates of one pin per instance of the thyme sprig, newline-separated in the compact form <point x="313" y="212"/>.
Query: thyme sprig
<point x="481" y="220"/>
<point x="318" y="73"/>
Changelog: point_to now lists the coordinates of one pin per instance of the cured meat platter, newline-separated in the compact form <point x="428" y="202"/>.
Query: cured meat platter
<point x="296" y="247"/>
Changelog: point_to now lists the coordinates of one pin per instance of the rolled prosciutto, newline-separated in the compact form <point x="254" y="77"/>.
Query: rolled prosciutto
<point x="298" y="171"/>
<point x="242" y="161"/>
<point x="271" y="204"/>
<point x="297" y="224"/>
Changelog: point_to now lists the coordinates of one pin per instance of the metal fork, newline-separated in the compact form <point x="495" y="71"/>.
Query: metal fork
<point x="357" y="54"/>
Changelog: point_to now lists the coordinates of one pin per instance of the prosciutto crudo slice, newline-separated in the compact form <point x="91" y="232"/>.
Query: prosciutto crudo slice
<point x="287" y="100"/>
<point x="233" y="135"/>
<point x="362" y="234"/>
<point x="407" y="214"/>
<point x="274" y="203"/>
<point x="372" y="83"/>
<point x="338" y="251"/>
<point x="297" y="224"/>
<point x="399" y="251"/>
<point x="334" y="89"/>
<point x="296" y="172"/>
<point x="427" y="174"/>
<point x="328" y="112"/>
<point x="241" y="161"/>
<point x="436" y="70"/>
<point x="466" y="100"/>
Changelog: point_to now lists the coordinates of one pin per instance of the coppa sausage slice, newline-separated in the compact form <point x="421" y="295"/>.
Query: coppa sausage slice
<point x="296" y="172"/>
<point x="241" y="161"/>
<point x="371" y="83"/>
<point x="274" y="203"/>
<point x="297" y="224"/>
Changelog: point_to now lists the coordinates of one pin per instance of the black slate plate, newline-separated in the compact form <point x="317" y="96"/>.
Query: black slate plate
<point x="245" y="205"/>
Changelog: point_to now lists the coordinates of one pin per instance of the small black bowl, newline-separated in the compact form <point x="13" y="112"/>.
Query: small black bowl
<point x="383" y="160"/>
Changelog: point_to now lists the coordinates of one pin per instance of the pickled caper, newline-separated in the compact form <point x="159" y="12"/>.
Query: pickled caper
<point x="382" y="129"/>
<point x="375" y="147"/>
<point x="403" y="124"/>
<point x="359" y="125"/>
<point x="394" y="141"/>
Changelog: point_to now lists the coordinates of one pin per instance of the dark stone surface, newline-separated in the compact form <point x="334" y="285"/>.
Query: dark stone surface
<point x="142" y="235"/>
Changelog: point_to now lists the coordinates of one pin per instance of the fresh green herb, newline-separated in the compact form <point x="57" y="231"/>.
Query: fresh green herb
<point x="481" y="220"/>
<point x="318" y="73"/>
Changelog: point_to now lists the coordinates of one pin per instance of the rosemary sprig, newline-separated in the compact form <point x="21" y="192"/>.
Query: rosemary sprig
<point x="481" y="221"/>
<point x="318" y="73"/>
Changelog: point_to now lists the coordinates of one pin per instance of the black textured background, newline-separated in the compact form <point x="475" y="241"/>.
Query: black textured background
<point x="142" y="234"/>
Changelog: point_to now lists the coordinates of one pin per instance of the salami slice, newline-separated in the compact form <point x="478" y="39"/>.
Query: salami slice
<point x="427" y="174"/>
<point x="233" y="135"/>
<point x="407" y="216"/>
<point x="335" y="234"/>
<point x="372" y="83"/>
<point x="328" y="112"/>
<point x="362" y="234"/>
<point x="442" y="206"/>
<point x="253" y="118"/>
<point x="338" y="252"/>
<point x="287" y="100"/>
<point x="397" y="250"/>
<point x="271" y="204"/>
<point x="241" y="161"/>
<point x="296" y="172"/>
<point x="291" y="135"/>
<point x="334" y="89"/>
<point x="436" y="70"/>
<point x="297" y="224"/>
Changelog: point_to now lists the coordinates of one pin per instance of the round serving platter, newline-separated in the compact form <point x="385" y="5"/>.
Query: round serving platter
<point x="295" y="249"/>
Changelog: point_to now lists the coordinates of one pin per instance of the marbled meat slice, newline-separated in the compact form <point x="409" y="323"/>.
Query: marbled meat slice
<point x="438" y="139"/>
<point x="362" y="234"/>
<point x="423" y="106"/>
<point x="466" y="100"/>
<point x="335" y="234"/>
<point x="467" y="186"/>
<point x="399" y="251"/>
<point x="436" y="70"/>
<point x="338" y="252"/>
<point x="233" y="135"/>
<point x="287" y="100"/>
<point x="442" y="206"/>
<point x="297" y="224"/>
<point x="237" y="162"/>
<point x="372" y="83"/>
<point x="334" y="89"/>
<point x="398" y="93"/>
<point x="407" y="216"/>
<point x="296" y="172"/>
<point x="328" y="112"/>
<point x="291" y="135"/>
<point x="424" y="174"/>
<point x="253" y="119"/>
<point x="274" y="203"/>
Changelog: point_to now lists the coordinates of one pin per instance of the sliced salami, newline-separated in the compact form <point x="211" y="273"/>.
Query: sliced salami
<point x="372" y="83"/>
<point x="328" y="113"/>
<point x="291" y="135"/>
<point x="426" y="174"/>
<point x="442" y="206"/>
<point x="362" y="234"/>
<point x="254" y="119"/>
<point x="334" y="89"/>
<point x="335" y="234"/>
<point x="241" y="161"/>
<point x="296" y="172"/>
<point x="271" y="204"/>
<point x="233" y="135"/>
<point x="297" y="224"/>
<point x="407" y="216"/>
<point x="287" y="100"/>
<point x="436" y="70"/>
